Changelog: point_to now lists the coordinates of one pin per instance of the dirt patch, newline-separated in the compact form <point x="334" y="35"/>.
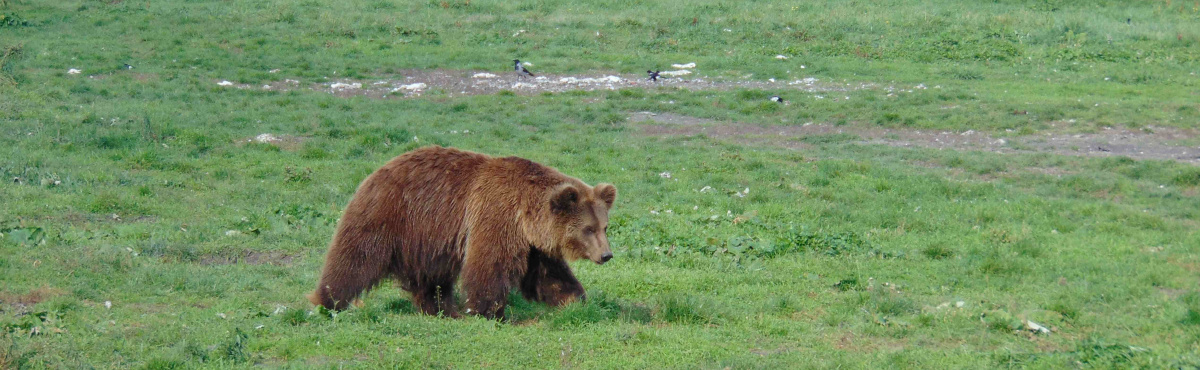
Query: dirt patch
<point x="21" y="302"/>
<point x="1173" y="293"/>
<point x="284" y="142"/>
<point x="1151" y="143"/>
<point x="277" y="258"/>
<point x="82" y="219"/>
<point x="849" y="341"/>
<point x="419" y="82"/>
<point x="768" y="352"/>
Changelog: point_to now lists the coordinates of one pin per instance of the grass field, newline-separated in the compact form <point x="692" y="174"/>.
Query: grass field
<point x="143" y="227"/>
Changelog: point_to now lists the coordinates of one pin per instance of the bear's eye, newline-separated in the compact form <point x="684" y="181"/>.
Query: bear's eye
<point x="589" y="230"/>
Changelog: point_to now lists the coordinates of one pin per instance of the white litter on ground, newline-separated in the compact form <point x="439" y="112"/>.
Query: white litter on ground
<point x="742" y="194"/>
<point x="344" y="86"/>
<point x="483" y="75"/>
<point x="266" y="138"/>
<point x="73" y="71"/>
<point x="683" y="66"/>
<point x="676" y="73"/>
<point x="781" y="57"/>
<point x="225" y="83"/>
<point x="416" y="86"/>
<point x="589" y="80"/>
<point x="1034" y="327"/>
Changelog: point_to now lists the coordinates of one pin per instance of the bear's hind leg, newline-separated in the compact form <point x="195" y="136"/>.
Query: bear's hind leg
<point x="495" y="261"/>
<point x="435" y="299"/>
<point x="487" y="283"/>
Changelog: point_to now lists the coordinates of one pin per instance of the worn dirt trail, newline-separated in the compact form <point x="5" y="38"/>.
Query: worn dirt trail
<point x="1162" y="143"/>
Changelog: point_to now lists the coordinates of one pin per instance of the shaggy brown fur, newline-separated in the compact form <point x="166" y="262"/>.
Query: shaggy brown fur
<point x="433" y="215"/>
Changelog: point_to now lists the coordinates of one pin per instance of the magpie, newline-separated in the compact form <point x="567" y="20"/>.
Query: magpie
<point x="127" y="66"/>
<point x="521" y="71"/>
<point x="777" y="99"/>
<point x="653" y="75"/>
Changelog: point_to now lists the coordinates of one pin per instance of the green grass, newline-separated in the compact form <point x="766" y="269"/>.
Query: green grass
<point x="139" y="187"/>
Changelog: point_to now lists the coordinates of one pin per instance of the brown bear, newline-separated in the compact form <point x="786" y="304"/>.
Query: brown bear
<point x="434" y="214"/>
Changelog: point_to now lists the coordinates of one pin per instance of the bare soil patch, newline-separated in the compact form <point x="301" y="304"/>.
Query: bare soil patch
<point x="284" y="142"/>
<point x="82" y="219"/>
<point x="20" y="302"/>
<point x="278" y="258"/>
<point x="1152" y="143"/>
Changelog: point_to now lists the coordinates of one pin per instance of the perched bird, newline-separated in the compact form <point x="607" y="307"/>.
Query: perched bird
<point x="777" y="99"/>
<point x="653" y="75"/>
<point x="521" y="71"/>
<point x="127" y="66"/>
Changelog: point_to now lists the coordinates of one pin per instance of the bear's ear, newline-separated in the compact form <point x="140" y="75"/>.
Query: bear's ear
<point x="607" y="193"/>
<point x="564" y="198"/>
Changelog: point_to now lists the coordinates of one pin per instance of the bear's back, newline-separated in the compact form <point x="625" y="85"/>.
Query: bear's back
<point x="417" y="199"/>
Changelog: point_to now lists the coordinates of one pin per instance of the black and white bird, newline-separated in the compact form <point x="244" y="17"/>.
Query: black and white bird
<point x="777" y="99"/>
<point x="521" y="71"/>
<point x="127" y="66"/>
<point x="653" y="75"/>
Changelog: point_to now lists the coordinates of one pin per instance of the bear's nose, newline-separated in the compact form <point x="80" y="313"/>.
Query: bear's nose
<point x="605" y="257"/>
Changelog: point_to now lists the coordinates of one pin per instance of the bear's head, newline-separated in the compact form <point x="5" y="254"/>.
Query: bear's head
<point x="580" y="217"/>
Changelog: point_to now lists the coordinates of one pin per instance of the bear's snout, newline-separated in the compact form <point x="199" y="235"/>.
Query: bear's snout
<point x="604" y="258"/>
